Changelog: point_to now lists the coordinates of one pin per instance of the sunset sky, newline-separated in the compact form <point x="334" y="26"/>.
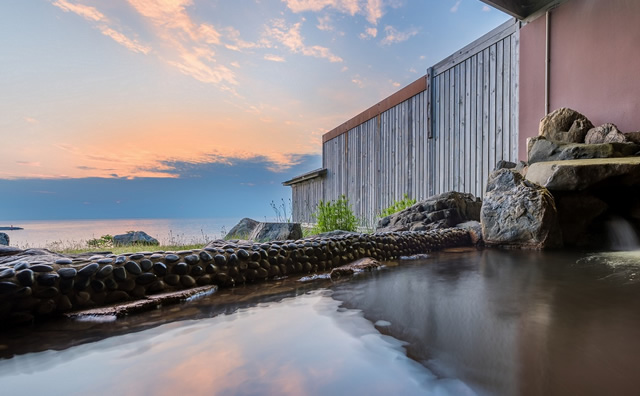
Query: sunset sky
<point x="137" y="104"/>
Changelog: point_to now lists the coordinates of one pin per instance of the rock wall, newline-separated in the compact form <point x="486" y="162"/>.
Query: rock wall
<point x="37" y="283"/>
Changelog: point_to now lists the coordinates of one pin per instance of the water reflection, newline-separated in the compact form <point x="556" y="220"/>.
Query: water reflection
<point x="510" y="323"/>
<point x="299" y="346"/>
<point x="485" y="322"/>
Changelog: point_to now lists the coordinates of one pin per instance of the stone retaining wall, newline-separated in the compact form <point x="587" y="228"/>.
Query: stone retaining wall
<point x="32" y="287"/>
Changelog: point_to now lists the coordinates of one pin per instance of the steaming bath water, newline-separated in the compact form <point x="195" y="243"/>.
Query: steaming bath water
<point x="472" y="322"/>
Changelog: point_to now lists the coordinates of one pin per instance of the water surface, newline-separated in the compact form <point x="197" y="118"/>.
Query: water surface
<point x="470" y="322"/>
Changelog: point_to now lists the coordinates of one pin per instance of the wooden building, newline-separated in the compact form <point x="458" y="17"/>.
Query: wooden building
<point x="447" y="130"/>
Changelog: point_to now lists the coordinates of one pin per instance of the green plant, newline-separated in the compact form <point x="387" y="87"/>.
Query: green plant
<point x="335" y="215"/>
<point x="105" y="241"/>
<point x="397" y="206"/>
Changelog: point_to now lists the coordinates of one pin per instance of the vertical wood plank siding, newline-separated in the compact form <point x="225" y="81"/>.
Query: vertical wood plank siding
<point x="473" y="121"/>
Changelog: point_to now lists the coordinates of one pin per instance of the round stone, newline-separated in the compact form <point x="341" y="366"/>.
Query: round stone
<point x="26" y="277"/>
<point x="46" y="307"/>
<point x="204" y="280"/>
<point x="111" y="284"/>
<point x="81" y="283"/>
<point x="21" y="265"/>
<point x="23" y="292"/>
<point x="67" y="273"/>
<point x="156" y="256"/>
<point x="220" y="259"/>
<point x="7" y="273"/>
<point x="181" y="269"/>
<point x="133" y="268"/>
<point x="104" y="261"/>
<point x="243" y="254"/>
<point x="187" y="281"/>
<point x="64" y="261"/>
<point x="197" y="270"/>
<point x="120" y="273"/>
<point x="48" y="292"/>
<point x="210" y="268"/>
<point x="159" y="268"/>
<point x="156" y="287"/>
<point x="48" y="278"/>
<point x="172" y="279"/>
<point x="120" y="260"/>
<point x="66" y="285"/>
<point x="98" y="285"/>
<point x="89" y="270"/>
<point x="105" y="271"/>
<point x="181" y="252"/>
<point x="204" y="256"/>
<point x="146" y="278"/>
<point x="192" y="259"/>
<point x="171" y="258"/>
<point x="146" y="264"/>
<point x="136" y="256"/>
<point x="232" y="259"/>
<point x="41" y="268"/>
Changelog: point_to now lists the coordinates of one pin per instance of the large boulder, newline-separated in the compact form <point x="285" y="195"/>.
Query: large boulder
<point x="134" y="238"/>
<point x="565" y="125"/>
<point x="4" y="239"/>
<point x="518" y="213"/>
<point x="243" y="229"/>
<point x="541" y="149"/>
<point x="578" y="175"/>
<point x="439" y="211"/>
<point x="276" y="232"/>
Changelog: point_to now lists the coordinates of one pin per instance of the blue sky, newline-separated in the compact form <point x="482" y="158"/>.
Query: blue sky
<point x="175" y="108"/>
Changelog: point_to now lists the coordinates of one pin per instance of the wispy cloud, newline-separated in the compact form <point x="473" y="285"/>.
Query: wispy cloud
<point x="28" y="163"/>
<point x="102" y="23"/>
<point x="486" y="8"/>
<point x="290" y="37"/>
<point x="324" y="23"/>
<point x="392" y="35"/>
<point x="373" y="10"/>
<point x="456" y="6"/>
<point x="370" y="32"/>
<point x="274" y="58"/>
<point x="190" y="41"/>
<point x="31" y="120"/>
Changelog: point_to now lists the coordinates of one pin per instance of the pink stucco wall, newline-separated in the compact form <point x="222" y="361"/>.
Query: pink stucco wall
<point x="595" y="65"/>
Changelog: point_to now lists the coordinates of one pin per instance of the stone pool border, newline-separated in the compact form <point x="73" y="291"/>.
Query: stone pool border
<point x="35" y="288"/>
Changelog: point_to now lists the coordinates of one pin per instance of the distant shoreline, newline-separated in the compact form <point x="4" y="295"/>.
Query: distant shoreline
<point x="10" y="228"/>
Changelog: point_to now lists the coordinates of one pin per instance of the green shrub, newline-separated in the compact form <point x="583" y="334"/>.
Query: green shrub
<point x="335" y="215"/>
<point x="397" y="206"/>
<point x="105" y="241"/>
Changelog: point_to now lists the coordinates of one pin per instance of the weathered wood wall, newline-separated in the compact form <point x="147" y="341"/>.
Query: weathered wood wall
<point x="304" y="199"/>
<point x="447" y="137"/>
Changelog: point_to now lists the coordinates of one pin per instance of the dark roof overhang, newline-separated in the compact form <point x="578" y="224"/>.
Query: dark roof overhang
<point x="306" y="176"/>
<point x="522" y="9"/>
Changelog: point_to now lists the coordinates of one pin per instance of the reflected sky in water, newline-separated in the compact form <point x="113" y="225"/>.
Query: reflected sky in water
<point x="457" y="323"/>
<point x="298" y="346"/>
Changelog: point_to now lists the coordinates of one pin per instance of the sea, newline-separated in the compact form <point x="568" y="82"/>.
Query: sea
<point x="70" y="234"/>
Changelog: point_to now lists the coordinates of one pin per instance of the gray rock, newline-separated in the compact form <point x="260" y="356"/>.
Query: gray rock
<point x="4" y="239"/>
<point x="276" y="232"/>
<point x="502" y="164"/>
<point x="565" y="125"/>
<point x="541" y="149"/>
<point x="577" y="175"/>
<point x="134" y="238"/>
<point x="518" y="213"/>
<point x="243" y="229"/>
<point x="633" y="137"/>
<point x="439" y="211"/>
<point x="475" y="231"/>
<point x="597" y="135"/>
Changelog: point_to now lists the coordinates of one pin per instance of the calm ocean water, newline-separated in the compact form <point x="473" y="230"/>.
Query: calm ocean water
<point x="68" y="233"/>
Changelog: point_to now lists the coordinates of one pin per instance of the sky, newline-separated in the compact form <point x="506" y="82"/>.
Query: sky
<point x="196" y="108"/>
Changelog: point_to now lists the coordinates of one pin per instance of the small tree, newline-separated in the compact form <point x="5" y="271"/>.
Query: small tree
<point x="335" y="215"/>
